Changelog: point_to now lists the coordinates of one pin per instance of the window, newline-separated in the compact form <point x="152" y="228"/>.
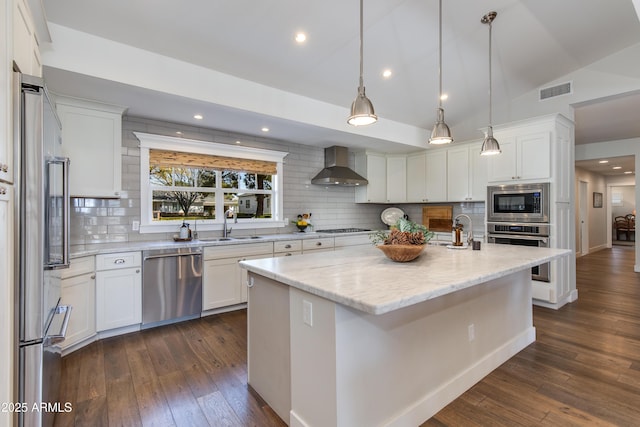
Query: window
<point x="191" y="180"/>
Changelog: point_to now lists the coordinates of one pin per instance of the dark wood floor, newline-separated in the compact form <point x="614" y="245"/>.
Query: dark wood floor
<point x="583" y="369"/>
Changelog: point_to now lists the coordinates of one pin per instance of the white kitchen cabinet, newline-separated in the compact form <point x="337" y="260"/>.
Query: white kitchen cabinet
<point x="79" y="291"/>
<point x="524" y="157"/>
<point x="6" y="105"/>
<point x="436" y="162"/>
<point x="118" y="290"/>
<point x="317" y="245"/>
<point x="92" y="139"/>
<point x="396" y="184"/>
<point x="287" y="248"/>
<point x="372" y="166"/>
<point x="6" y="295"/>
<point x="26" y="50"/>
<point x="222" y="277"/>
<point x="466" y="173"/>
<point x="417" y="177"/>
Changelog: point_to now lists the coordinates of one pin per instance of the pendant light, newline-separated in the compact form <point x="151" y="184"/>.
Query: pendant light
<point x="362" y="112"/>
<point x="489" y="146"/>
<point x="440" y="133"/>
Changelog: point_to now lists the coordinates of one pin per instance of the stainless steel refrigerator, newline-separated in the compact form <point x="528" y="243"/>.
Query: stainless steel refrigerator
<point x="42" y="247"/>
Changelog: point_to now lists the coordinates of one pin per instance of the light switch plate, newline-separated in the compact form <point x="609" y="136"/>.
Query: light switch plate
<point x="307" y="312"/>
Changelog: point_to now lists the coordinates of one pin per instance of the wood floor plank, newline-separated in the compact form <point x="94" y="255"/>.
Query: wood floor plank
<point x="218" y="411"/>
<point x="91" y="413"/>
<point x="184" y="406"/>
<point x="122" y="404"/>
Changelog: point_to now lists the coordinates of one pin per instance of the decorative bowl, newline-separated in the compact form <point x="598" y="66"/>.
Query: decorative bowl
<point x="401" y="253"/>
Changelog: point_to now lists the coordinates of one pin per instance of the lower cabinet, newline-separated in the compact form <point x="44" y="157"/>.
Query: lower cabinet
<point x="222" y="277"/>
<point x="118" y="291"/>
<point x="79" y="291"/>
<point x="317" y="245"/>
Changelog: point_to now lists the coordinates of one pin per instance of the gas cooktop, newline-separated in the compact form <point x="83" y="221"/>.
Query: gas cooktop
<point x="342" y="230"/>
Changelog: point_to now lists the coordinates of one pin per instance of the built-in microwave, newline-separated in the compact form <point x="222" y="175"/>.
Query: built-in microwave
<point x="518" y="203"/>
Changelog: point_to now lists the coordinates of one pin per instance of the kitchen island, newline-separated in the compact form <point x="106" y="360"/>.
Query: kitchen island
<point x="354" y="339"/>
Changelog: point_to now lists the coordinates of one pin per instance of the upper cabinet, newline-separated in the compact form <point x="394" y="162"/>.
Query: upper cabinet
<point x="524" y="157"/>
<point x="466" y="173"/>
<point x="372" y="166"/>
<point x="92" y="139"/>
<point x="396" y="179"/>
<point x="436" y="176"/>
<point x="417" y="177"/>
<point x="26" y="49"/>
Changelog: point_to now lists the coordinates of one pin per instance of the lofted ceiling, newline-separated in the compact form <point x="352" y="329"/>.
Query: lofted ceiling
<point x="534" y="42"/>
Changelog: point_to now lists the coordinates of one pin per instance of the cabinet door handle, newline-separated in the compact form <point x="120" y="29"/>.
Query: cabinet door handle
<point x="93" y="276"/>
<point x="3" y="190"/>
<point x="4" y="168"/>
<point x="138" y="271"/>
<point x="287" y="246"/>
<point x="288" y="254"/>
<point x="119" y="261"/>
<point x="318" y="243"/>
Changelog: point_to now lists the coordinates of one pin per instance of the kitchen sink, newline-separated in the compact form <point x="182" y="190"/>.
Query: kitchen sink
<point x="247" y="237"/>
<point x="215" y="239"/>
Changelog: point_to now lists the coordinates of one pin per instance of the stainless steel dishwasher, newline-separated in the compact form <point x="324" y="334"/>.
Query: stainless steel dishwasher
<point x="171" y="285"/>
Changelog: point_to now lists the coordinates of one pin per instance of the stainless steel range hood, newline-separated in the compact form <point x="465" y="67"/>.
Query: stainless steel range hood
<point x="336" y="169"/>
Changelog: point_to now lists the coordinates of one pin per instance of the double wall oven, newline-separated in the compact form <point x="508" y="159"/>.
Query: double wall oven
<point x="519" y="215"/>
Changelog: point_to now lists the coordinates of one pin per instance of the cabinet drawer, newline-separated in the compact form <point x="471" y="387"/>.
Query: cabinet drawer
<point x="238" y="251"/>
<point x="118" y="260"/>
<point x="287" y="246"/>
<point x="355" y="240"/>
<point x="79" y="266"/>
<point x="313" y="244"/>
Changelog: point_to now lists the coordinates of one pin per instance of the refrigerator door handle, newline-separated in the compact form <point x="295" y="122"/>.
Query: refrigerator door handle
<point x="60" y="336"/>
<point x="64" y="262"/>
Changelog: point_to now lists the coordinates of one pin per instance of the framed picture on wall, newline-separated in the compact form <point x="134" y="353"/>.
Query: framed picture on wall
<point x="597" y="200"/>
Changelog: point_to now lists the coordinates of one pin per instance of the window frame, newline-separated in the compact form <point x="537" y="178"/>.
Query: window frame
<point x="161" y="142"/>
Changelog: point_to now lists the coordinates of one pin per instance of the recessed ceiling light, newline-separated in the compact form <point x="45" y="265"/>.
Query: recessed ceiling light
<point x="178" y="133"/>
<point x="265" y="129"/>
<point x="444" y="97"/>
<point x="603" y="161"/>
<point x="198" y="117"/>
<point x="617" y="167"/>
<point x="238" y="142"/>
<point x="301" y="37"/>
<point x="387" y="73"/>
<point x="628" y="172"/>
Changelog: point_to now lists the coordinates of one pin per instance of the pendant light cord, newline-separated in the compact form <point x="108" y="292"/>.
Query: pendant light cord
<point x="361" y="48"/>
<point x="490" y="84"/>
<point x="440" y="54"/>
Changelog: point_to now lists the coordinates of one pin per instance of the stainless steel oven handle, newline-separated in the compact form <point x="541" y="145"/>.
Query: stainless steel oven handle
<point x="59" y="337"/>
<point x="519" y="237"/>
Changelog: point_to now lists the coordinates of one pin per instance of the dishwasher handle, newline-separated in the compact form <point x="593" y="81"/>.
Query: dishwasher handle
<point x="170" y="252"/>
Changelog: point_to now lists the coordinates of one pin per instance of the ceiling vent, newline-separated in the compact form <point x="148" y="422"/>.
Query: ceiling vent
<point x="551" y="92"/>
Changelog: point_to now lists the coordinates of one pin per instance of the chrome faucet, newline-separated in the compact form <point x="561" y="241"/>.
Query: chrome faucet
<point x="226" y="231"/>
<point x="470" y="233"/>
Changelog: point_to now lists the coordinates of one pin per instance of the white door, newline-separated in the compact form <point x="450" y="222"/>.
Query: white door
<point x="583" y="231"/>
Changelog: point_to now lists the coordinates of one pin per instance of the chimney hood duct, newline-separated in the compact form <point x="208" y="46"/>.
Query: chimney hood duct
<point x="336" y="169"/>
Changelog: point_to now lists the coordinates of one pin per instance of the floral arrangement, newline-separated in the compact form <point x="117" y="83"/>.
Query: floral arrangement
<point x="404" y="232"/>
<point x="303" y="221"/>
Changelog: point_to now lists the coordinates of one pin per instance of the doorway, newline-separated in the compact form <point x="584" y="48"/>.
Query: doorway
<point x="583" y="218"/>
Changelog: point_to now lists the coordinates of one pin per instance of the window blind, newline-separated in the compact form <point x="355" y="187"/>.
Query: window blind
<point x="163" y="158"/>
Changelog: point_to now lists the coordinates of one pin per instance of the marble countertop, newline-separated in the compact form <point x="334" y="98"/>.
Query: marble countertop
<point x="78" y="251"/>
<point x="368" y="281"/>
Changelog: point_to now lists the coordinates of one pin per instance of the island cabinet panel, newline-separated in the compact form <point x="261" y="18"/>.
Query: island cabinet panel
<point x="268" y="338"/>
<point x="317" y="362"/>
